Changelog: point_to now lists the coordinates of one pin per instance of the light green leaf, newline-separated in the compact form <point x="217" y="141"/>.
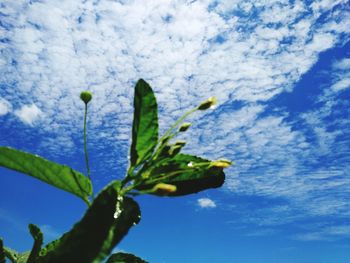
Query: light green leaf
<point x="145" y="124"/>
<point x="11" y="254"/>
<point x="94" y="237"/>
<point x="190" y="174"/>
<point x="125" y="258"/>
<point x="14" y="256"/>
<point x="23" y="257"/>
<point x="61" y="176"/>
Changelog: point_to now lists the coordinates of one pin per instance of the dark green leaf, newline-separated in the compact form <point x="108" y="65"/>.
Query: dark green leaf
<point x="145" y="124"/>
<point x="187" y="179"/>
<point x="2" y="252"/>
<point x="125" y="258"/>
<point x="52" y="173"/>
<point x="94" y="237"/>
<point x="38" y="241"/>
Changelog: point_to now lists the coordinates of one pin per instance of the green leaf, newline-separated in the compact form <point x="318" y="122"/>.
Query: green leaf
<point x="11" y="254"/>
<point x="52" y="173"/>
<point x="2" y="252"/>
<point x="145" y="124"/>
<point x="94" y="237"/>
<point x="23" y="257"/>
<point x="188" y="179"/>
<point x="124" y="258"/>
<point x="38" y="241"/>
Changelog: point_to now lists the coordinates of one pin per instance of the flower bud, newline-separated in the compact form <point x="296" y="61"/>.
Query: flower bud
<point x="86" y="96"/>
<point x="207" y="104"/>
<point x="222" y="163"/>
<point x="165" y="151"/>
<point x="184" y="127"/>
<point x="180" y="143"/>
<point x="164" y="189"/>
<point x="175" y="149"/>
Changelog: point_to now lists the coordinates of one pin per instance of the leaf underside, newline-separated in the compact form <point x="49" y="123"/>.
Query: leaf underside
<point x="124" y="258"/>
<point x="188" y="180"/>
<point x="94" y="237"/>
<point x="60" y="176"/>
<point x="145" y="123"/>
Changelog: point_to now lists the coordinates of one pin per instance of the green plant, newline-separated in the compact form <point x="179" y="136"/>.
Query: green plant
<point x="156" y="167"/>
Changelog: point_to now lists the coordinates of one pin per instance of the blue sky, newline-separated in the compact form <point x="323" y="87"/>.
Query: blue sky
<point x="281" y="73"/>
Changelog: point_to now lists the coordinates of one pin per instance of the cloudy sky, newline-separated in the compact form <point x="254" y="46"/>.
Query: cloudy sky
<point x="281" y="73"/>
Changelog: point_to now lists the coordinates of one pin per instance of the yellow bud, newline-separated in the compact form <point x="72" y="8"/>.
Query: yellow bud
<point x="207" y="104"/>
<point x="164" y="189"/>
<point x="222" y="163"/>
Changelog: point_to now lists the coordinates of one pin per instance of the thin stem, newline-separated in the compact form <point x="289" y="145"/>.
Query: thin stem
<point x="127" y="189"/>
<point x="168" y="136"/>
<point x="177" y="123"/>
<point x="167" y="176"/>
<point x="85" y="145"/>
<point x="159" y="179"/>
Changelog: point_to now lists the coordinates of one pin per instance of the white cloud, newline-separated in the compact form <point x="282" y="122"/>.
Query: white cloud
<point x="341" y="75"/>
<point x="341" y="85"/>
<point x="5" y="107"/>
<point x="316" y="236"/>
<point x="107" y="45"/>
<point x="29" y="114"/>
<point x="319" y="5"/>
<point x="329" y="233"/>
<point x="187" y="51"/>
<point x="261" y="232"/>
<point x="343" y="64"/>
<point x="206" y="203"/>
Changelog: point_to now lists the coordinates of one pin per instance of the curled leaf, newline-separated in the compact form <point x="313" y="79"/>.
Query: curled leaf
<point x="190" y="174"/>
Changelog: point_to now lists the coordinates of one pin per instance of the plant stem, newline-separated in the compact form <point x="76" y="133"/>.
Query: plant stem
<point x="167" y="135"/>
<point x="177" y="123"/>
<point x="85" y="145"/>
